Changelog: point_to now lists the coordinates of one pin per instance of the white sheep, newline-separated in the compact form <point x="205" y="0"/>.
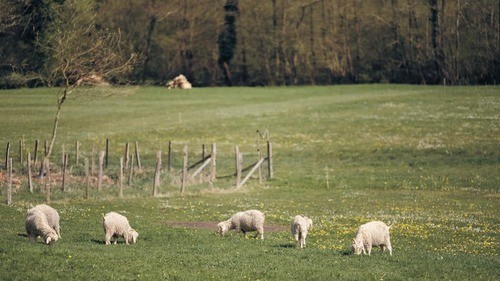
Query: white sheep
<point x="300" y="226"/>
<point x="250" y="220"/>
<point x="52" y="217"/>
<point x="37" y="225"/>
<point x="375" y="233"/>
<point x="116" y="225"/>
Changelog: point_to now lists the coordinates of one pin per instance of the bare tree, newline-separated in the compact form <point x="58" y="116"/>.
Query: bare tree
<point x="8" y="16"/>
<point x="76" y="49"/>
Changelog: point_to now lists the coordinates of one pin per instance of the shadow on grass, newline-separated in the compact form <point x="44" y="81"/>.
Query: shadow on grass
<point x="346" y="253"/>
<point x="287" y="245"/>
<point x="100" y="242"/>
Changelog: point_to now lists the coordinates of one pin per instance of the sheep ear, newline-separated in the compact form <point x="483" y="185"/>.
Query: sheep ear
<point x="48" y="240"/>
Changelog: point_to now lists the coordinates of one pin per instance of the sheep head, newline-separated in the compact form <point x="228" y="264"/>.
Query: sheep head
<point x="51" y="237"/>
<point x="223" y="227"/>
<point x="133" y="236"/>
<point x="357" y="247"/>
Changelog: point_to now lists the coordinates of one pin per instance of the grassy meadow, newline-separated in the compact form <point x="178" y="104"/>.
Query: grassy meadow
<point x="425" y="158"/>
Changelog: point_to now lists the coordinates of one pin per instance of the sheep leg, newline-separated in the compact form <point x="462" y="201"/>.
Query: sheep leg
<point x="303" y="240"/>
<point x="297" y="241"/>
<point x="108" y="238"/>
<point x="389" y="247"/>
<point x="369" y="249"/>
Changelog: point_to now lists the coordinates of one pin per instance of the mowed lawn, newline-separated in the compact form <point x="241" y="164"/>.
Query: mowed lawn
<point x="425" y="158"/>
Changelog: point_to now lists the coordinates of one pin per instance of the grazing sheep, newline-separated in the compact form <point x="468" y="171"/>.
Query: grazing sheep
<point x="251" y="220"/>
<point x="375" y="233"/>
<point x="52" y="217"/>
<point x="300" y="226"/>
<point x="37" y="225"/>
<point x="116" y="225"/>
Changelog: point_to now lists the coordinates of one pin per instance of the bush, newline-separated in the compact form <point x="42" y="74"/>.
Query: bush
<point x="15" y="80"/>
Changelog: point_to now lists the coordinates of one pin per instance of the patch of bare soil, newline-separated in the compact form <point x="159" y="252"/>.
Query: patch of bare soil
<point x="208" y="225"/>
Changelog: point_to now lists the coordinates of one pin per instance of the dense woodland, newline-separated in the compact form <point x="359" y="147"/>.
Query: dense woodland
<point x="249" y="42"/>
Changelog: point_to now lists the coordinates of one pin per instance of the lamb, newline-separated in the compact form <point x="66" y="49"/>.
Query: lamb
<point x="116" y="225"/>
<point x="300" y="226"/>
<point x="52" y="217"/>
<point x="250" y="220"/>
<point x="37" y="225"/>
<point x="375" y="233"/>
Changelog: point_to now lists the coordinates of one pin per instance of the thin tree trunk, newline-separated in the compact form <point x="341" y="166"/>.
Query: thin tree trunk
<point x="147" y="47"/>
<point x="60" y="102"/>
<point x="456" y="75"/>
<point x="434" y="21"/>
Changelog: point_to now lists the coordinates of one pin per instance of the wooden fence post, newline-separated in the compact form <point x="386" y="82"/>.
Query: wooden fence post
<point x="101" y="163"/>
<point x="137" y="157"/>
<point x="169" y="161"/>
<point x="92" y="164"/>
<point x="120" y="181"/>
<point x="259" y="154"/>
<point x="131" y="170"/>
<point x="7" y="156"/>
<point x="107" y="152"/>
<point x="270" y="160"/>
<point x="87" y="177"/>
<point x="63" y="152"/>
<point x="156" y="181"/>
<point x="35" y="158"/>
<point x="46" y="167"/>
<point x="255" y="167"/>
<point x="184" y="168"/>
<point x="77" y="152"/>
<point x="126" y="156"/>
<point x="239" y="159"/>
<point x="21" y="145"/>
<point x="213" y="163"/>
<point x="260" y="167"/>
<point x="9" y="182"/>
<point x="30" y="181"/>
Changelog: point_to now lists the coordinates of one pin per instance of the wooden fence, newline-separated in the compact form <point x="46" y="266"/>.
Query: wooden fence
<point x="204" y="169"/>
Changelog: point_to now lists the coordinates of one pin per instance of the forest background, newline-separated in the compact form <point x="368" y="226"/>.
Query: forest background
<point x="249" y="43"/>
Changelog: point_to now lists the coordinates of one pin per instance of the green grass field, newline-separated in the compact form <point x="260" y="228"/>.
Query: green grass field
<point x="426" y="158"/>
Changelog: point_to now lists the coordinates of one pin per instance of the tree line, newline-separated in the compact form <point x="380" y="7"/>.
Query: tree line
<point x="247" y="42"/>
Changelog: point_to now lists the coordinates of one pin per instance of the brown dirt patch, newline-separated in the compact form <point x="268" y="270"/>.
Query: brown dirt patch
<point x="208" y="225"/>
